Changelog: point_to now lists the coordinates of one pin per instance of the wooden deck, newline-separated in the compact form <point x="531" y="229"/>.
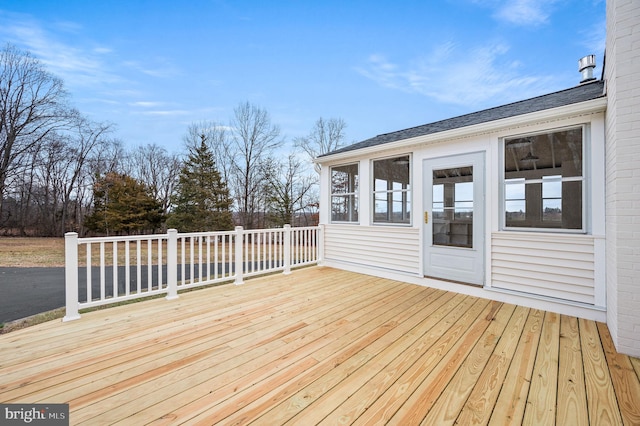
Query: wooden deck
<point x="322" y="346"/>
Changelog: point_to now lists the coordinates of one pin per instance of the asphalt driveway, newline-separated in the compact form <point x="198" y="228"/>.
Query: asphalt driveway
<point x="29" y="291"/>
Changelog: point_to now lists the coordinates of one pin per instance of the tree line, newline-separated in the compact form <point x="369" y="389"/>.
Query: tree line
<point x="61" y="172"/>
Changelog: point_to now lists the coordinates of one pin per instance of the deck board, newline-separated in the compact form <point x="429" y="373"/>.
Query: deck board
<point x="624" y="379"/>
<point x="541" y="402"/>
<point x="451" y="401"/>
<point x="323" y="346"/>
<point x="572" y="398"/>
<point x="511" y="402"/>
<point x="601" y="396"/>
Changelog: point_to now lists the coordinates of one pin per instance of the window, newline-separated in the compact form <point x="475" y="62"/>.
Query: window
<point x="344" y="193"/>
<point x="392" y="190"/>
<point x="452" y="207"/>
<point x="544" y="180"/>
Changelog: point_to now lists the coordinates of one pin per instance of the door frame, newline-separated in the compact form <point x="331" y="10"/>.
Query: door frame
<point x="468" y="265"/>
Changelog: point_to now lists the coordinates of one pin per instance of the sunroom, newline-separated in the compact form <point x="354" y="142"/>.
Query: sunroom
<point x="506" y="203"/>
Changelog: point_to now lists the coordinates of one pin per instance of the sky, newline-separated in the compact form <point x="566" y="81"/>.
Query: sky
<point x="152" y="68"/>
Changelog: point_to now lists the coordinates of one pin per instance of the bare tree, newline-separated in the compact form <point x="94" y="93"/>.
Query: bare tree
<point x="18" y="208"/>
<point x="254" y="140"/>
<point x="326" y="136"/>
<point x="108" y="159"/>
<point x="52" y="183"/>
<point x="51" y="175"/>
<point x="157" y="169"/>
<point x="289" y="188"/>
<point x="33" y="104"/>
<point x="86" y="139"/>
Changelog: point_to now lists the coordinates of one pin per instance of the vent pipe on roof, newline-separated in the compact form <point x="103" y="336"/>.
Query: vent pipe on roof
<point x="586" y="66"/>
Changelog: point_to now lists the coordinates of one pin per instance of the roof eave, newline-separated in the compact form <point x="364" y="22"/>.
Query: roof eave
<point x="552" y="114"/>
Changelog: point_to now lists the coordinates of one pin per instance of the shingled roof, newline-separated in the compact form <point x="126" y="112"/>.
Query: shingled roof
<point x="584" y="92"/>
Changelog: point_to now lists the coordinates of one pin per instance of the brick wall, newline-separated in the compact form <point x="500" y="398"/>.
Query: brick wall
<point x="622" y="72"/>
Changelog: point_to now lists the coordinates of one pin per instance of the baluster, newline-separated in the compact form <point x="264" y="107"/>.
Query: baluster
<point x="89" y="274"/>
<point x="192" y="257"/>
<point x="183" y="257"/>
<point x="138" y="265"/>
<point x="127" y="273"/>
<point x="149" y="264"/>
<point x="160" y="263"/>
<point x="200" y="259"/>
<point x="208" y="237"/>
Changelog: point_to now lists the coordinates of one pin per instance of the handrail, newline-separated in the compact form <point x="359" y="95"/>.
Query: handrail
<point x="106" y="270"/>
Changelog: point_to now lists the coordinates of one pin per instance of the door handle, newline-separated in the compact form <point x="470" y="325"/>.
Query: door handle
<point x="426" y="217"/>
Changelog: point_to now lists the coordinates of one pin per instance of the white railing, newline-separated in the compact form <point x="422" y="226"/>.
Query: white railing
<point x="105" y="270"/>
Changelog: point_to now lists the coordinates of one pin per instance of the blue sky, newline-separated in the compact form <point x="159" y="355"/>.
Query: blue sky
<point x="154" y="67"/>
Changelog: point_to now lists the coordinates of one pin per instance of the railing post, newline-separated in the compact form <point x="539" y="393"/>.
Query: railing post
<point x="71" y="276"/>
<point x="287" y="250"/>
<point x="239" y="264"/>
<point x="172" y="264"/>
<point x="320" y="243"/>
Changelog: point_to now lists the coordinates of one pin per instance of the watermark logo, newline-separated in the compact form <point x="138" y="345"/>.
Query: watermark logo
<point x="34" y="414"/>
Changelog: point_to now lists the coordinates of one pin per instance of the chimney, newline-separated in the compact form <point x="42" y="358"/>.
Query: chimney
<point x="586" y="66"/>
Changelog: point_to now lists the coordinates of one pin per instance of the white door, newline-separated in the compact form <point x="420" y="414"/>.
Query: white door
<point x="454" y="218"/>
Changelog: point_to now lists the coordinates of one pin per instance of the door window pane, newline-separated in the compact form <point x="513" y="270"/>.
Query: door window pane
<point x="438" y="201"/>
<point x="463" y="205"/>
<point x="452" y="208"/>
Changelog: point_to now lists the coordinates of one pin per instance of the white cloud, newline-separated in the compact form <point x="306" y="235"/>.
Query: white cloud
<point x="520" y="12"/>
<point x="81" y="64"/>
<point x="162" y="71"/>
<point x="594" y="37"/>
<point x="146" y="104"/>
<point x="525" y="12"/>
<point x="68" y="26"/>
<point x="102" y="50"/>
<point x="475" y="77"/>
<point x="174" y="112"/>
<point x="75" y="65"/>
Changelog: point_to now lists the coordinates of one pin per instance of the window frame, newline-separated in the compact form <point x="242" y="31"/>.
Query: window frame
<point x="406" y="198"/>
<point x="355" y="194"/>
<point x="583" y="178"/>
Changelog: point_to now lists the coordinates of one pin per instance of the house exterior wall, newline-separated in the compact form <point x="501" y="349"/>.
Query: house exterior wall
<point x="570" y="280"/>
<point x="561" y="267"/>
<point x="383" y="247"/>
<point x="622" y="174"/>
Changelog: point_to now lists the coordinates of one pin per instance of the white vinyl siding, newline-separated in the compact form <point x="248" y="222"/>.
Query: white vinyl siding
<point x="394" y="248"/>
<point x="558" y="266"/>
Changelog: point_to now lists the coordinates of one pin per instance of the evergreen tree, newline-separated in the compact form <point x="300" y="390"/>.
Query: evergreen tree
<point x="202" y="201"/>
<point x="122" y="205"/>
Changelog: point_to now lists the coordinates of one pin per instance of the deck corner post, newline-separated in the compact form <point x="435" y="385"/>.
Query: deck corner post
<point x="287" y="250"/>
<point x="71" y="276"/>
<point x="239" y="266"/>
<point x="172" y="264"/>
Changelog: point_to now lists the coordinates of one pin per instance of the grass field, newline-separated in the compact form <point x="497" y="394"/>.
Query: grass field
<point x="40" y="252"/>
<point x="31" y="252"/>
